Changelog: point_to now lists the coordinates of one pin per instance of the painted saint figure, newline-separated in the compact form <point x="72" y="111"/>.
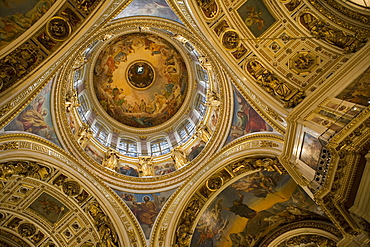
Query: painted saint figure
<point x="241" y="209"/>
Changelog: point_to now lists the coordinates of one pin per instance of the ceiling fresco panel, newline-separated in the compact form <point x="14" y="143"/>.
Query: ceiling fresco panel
<point x="36" y="118"/>
<point x="49" y="208"/>
<point x="252" y="207"/>
<point x="18" y="16"/>
<point x="145" y="207"/>
<point x="245" y="119"/>
<point x="140" y="80"/>
<point x="256" y="16"/>
<point x="157" y="8"/>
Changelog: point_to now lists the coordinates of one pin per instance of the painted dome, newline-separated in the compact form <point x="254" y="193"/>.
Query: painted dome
<point x="140" y="80"/>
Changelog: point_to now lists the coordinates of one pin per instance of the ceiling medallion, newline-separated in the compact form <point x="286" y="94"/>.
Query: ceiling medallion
<point x="230" y="40"/>
<point x="303" y="62"/>
<point x="58" y="28"/>
<point x="140" y="75"/>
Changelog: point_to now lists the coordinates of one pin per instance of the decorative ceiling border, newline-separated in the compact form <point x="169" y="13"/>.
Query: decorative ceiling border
<point x="311" y="224"/>
<point x="11" y="145"/>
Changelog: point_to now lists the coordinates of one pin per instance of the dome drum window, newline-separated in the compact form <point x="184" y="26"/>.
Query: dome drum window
<point x="127" y="147"/>
<point x="159" y="147"/>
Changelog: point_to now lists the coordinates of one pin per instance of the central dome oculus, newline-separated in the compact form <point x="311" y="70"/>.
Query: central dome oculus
<point x="140" y="75"/>
<point x="140" y="79"/>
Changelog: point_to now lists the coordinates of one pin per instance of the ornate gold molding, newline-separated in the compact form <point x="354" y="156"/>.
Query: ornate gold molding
<point x="345" y="148"/>
<point x="310" y="224"/>
<point x="185" y="224"/>
<point x="354" y="16"/>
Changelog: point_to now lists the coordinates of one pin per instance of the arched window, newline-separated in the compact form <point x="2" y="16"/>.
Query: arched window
<point x="185" y="130"/>
<point x="159" y="147"/>
<point x="101" y="133"/>
<point x="127" y="147"/>
<point x="84" y="108"/>
<point x="200" y="101"/>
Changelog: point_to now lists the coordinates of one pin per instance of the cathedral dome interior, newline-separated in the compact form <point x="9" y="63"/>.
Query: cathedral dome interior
<point x="184" y="123"/>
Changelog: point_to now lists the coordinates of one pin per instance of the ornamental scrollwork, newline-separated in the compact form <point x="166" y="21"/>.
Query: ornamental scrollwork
<point x="308" y="240"/>
<point x="103" y="225"/>
<point x="17" y="64"/>
<point x="209" y="8"/>
<point x="26" y="169"/>
<point x="9" y="146"/>
<point x="273" y="85"/>
<point x="320" y="29"/>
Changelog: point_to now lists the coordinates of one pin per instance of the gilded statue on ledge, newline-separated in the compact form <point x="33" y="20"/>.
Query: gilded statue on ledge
<point x="111" y="159"/>
<point x="202" y="132"/>
<point x="71" y="100"/>
<point x="145" y="166"/>
<point x="179" y="157"/>
<point x="212" y="99"/>
<point x="84" y="135"/>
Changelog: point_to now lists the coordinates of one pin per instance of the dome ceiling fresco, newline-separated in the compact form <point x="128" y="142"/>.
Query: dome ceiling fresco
<point x="140" y="80"/>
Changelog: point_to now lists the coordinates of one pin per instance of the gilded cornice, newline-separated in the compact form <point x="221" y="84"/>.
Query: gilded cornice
<point x="313" y="225"/>
<point x="345" y="148"/>
<point x="355" y="17"/>
<point x="329" y="87"/>
<point x="14" y="239"/>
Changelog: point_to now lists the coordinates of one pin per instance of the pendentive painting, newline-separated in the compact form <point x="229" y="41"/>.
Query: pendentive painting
<point x="49" y="207"/>
<point x="311" y="149"/>
<point x="94" y="153"/>
<point x="164" y="168"/>
<point x="145" y="207"/>
<point x="140" y="80"/>
<point x="157" y="8"/>
<point x="36" y="117"/>
<point x="245" y="119"/>
<point x="256" y="16"/>
<point x="251" y="208"/>
<point x="18" y="16"/>
<point x="128" y="170"/>
<point x="358" y="91"/>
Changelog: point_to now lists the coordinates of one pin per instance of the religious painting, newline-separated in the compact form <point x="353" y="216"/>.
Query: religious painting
<point x="94" y="153"/>
<point x="128" y="170"/>
<point x="157" y="8"/>
<point x="358" y="91"/>
<point x="49" y="207"/>
<point x="140" y="80"/>
<point x="145" y="207"/>
<point x="72" y="123"/>
<point x="311" y="149"/>
<point x="164" y="168"/>
<point x="245" y="119"/>
<point x="36" y="118"/>
<point x="256" y="16"/>
<point x="18" y="16"/>
<point x="196" y="149"/>
<point x="251" y="208"/>
<point x="214" y="119"/>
